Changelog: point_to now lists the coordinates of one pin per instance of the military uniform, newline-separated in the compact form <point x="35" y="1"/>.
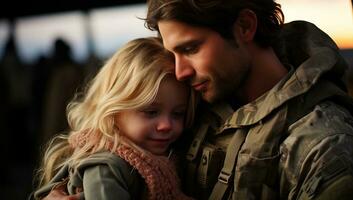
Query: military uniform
<point x="293" y="142"/>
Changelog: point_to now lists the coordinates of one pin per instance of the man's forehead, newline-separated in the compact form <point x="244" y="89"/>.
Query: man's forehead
<point x="175" y="33"/>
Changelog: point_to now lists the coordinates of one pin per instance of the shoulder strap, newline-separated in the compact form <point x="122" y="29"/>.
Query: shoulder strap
<point x="226" y="173"/>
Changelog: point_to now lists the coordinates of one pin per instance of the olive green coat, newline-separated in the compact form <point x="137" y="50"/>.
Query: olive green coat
<point x="103" y="176"/>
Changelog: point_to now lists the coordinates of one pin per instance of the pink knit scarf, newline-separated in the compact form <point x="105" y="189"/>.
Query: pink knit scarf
<point x="158" y="171"/>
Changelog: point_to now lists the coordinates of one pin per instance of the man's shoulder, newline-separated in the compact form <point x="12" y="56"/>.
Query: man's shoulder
<point x="320" y="145"/>
<point x="327" y="118"/>
<point x="328" y="126"/>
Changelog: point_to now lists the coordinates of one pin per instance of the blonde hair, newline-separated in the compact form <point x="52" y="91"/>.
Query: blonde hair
<point x="130" y="79"/>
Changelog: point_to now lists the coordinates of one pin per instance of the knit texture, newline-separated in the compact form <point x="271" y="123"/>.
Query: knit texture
<point x="159" y="172"/>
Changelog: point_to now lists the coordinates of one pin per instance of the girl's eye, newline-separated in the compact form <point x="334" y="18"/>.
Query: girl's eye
<point x="179" y="114"/>
<point x="150" y="113"/>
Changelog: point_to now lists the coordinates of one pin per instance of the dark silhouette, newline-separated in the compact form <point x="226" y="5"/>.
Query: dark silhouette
<point x="64" y="78"/>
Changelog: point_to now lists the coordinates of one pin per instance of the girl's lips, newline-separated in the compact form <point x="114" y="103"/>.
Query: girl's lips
<point x="160" y="142"/>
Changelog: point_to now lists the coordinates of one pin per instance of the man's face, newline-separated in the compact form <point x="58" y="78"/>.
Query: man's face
<point x="213" y="66"/>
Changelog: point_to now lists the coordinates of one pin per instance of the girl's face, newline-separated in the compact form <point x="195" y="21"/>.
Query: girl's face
<point x="155" y="126"/>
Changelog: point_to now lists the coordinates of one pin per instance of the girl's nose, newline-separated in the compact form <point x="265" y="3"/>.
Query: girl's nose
<point x="164" y="124"/>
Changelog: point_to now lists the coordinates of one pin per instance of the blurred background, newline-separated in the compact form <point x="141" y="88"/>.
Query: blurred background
<point x="48" y="50"/>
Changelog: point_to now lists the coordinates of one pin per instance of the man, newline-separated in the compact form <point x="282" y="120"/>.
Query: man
<point x="292" y="133"/>
<point x="277" y="123"/>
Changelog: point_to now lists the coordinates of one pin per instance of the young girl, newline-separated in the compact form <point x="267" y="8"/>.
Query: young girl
<point x="122" y="129"/>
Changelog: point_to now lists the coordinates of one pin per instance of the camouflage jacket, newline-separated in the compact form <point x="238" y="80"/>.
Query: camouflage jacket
<point x="293" y="142"/>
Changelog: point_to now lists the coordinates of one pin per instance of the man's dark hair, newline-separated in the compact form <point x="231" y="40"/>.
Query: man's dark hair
<point x="218" y="15"/>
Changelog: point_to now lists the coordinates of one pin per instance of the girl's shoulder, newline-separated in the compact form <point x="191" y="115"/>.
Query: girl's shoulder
<point x="108" y="167"/>
<point x="104" y="158"/>
<point x="114" y="163"/>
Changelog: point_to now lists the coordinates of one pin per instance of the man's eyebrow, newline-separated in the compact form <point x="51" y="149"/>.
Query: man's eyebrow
<point x="180" y="47"/>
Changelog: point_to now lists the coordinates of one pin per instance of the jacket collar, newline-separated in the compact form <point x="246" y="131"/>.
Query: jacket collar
<point x="294" y="84"/>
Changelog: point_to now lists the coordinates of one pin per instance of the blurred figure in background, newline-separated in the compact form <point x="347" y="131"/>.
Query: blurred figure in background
<point x="64" y="79"/>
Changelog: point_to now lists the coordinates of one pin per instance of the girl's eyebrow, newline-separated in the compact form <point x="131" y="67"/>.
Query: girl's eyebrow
<point x="181" y="106"/>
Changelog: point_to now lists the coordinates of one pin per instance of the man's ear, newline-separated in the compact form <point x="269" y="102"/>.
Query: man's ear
<point x="245" y="25"/>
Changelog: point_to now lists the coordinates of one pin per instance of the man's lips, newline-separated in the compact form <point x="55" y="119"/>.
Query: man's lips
<point x="200" y="86"/>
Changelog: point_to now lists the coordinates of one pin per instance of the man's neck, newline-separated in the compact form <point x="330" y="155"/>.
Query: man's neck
<point x="266" y="71"/>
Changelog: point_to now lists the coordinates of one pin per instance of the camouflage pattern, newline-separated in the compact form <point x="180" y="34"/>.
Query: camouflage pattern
<point x="299" y="141"/>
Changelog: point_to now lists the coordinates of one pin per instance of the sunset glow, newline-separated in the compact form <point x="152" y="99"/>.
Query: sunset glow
<point x="333" y="17"/>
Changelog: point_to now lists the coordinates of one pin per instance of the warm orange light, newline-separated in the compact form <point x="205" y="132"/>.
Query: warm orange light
<point x="344" y="41"/>
<point x="333" y="17"/>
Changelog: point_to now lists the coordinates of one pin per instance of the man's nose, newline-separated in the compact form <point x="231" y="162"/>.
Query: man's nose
<point x="183" y="68"/>
<point x="164" y="124"/>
